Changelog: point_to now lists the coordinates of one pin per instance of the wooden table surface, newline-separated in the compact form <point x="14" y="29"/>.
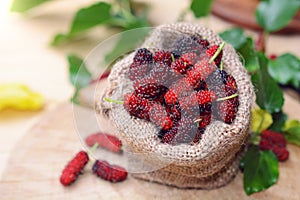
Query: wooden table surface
<point x="26" y="57"/>
<point x="34" y="167"/>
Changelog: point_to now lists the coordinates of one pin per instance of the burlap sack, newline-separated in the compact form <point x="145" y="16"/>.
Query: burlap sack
<point x="211" y="163"/>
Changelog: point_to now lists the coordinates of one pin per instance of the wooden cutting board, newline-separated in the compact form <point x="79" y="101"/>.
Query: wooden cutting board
<point x="35" y="165"/>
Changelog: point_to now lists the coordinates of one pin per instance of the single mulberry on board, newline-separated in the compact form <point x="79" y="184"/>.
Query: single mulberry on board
<point x="74" y="168"/>
<point x="112" y="173"/>
<point x="271" y="140"/>
<point x="106" y="141"/>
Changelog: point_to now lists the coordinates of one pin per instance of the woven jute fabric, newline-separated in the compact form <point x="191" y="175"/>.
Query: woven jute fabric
<point x="212" y="162"/>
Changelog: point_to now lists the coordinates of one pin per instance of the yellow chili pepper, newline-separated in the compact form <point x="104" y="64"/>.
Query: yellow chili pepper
<point x="20" y="97"/>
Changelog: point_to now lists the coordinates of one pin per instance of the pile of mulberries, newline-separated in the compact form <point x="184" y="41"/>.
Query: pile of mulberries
<point x="182" y="90"/>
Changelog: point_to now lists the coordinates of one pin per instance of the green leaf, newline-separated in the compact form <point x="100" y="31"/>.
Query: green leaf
<point x="234" y="36"/>
<point x="59" y="38"/>
<point x="201" y="8"/>
<point x="249" y="56"/>
<point x="127" y="41"/>
<point x="290" y="124"/>
<point x="91" y="16"/>
<point x="244" y="45"/>
<point x="273" y="15"/>
<point x="269" y="96"/>
<point x="79" y="74"/>
<point x="24" y="5"/>
<point x="260" y="170"/>
<point x="74" y="98"/>
<point x="85" y="19"/>
<point x="286" y="70"/>
<point x="279" y="120"/>
<point x="260" y="120"/>
<point x="292" y="132"/>
<point x="292" y="135"/>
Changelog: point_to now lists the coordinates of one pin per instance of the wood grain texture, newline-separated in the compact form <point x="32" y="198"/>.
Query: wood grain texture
<point x="35" y="166"/>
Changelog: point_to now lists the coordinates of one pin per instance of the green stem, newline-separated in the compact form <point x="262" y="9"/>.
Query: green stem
<point x="221" y="65"/>
<point x="254" y="138"/>
<point x="183" y="15"/>
<point x="173" y="58"/>
<point x="150" y="45"/>
<point x="113" y="101"/>
<point x="228" y="97"/>
<point x="92" y="149"/>
<point x="128" y="16"/>
<point x="118" y="22"/>
<point x="126" y="5"/>
<point x="122" y="148"/>
<point x="124" y="9"/>
<point x="217" y="53"/>
<point x="260" y="44"/>
<point x="197" y="120"/>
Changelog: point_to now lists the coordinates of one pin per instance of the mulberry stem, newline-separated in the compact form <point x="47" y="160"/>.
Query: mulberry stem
<point x="197" y="120"/>
<point x="113" y="101"/>
<point x="221" y="65"/>
<point x="226" y="98"/>
<point x="92" y="149"/>
<point x="173" y="58"/>
<point x="217" y="53"/>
